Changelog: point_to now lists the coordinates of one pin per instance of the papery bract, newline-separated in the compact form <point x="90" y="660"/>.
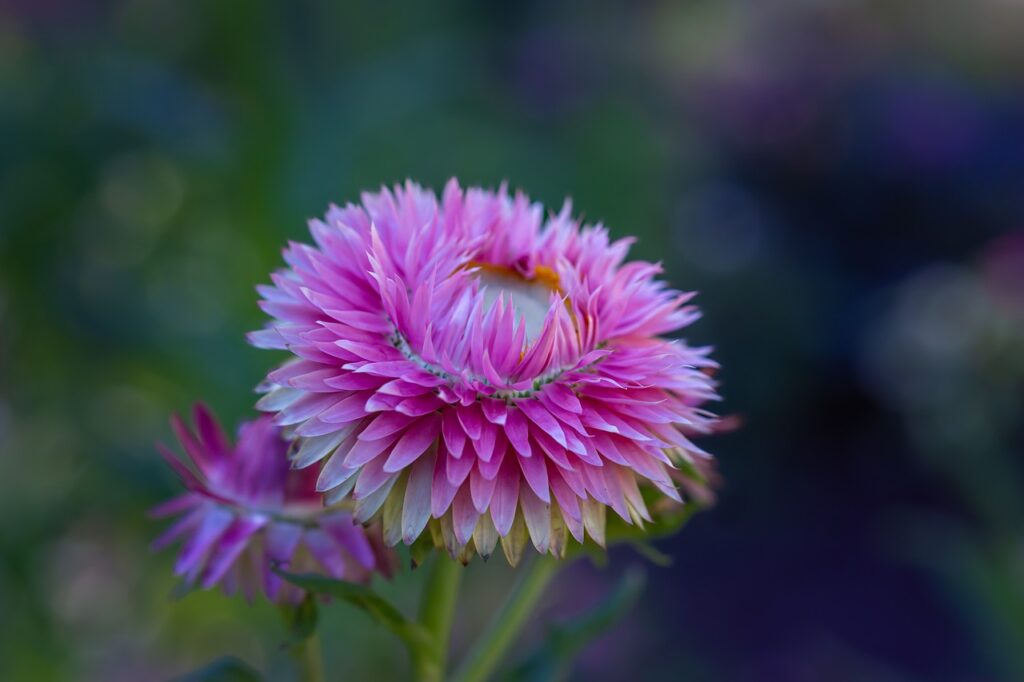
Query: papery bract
<point x="247" y="511"/>
<point x="467" y="360"/>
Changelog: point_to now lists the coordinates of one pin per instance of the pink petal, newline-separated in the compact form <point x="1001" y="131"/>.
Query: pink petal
<point x="230" y="545"/>
<point x="555" y="452"/>
<point x="538" y="519"/>
<point x="536" y="474"/>
<point x="305" y="407"/>
<point x="481" y="490"/>
<point x="416" y="506"/>
<point x="567" y="499"/>
<point x="419" y="405"/>
<point x="506" y="494"/>
<point x="494" y="410"/>
<point x="371" y="478"/>
<point x="209" y="431"/>
<point x="352" y="539"/>
<point x="186" y="524"/>
<point x="403" y="388"/>
<point x="326" y="551"/>
<point x="364" y="451"/>
<point x="213" y="524"/>
<point x="188" y="478"/>
<point x="464" y="515"/>
<point x="345" y="410"/>
<point x="484" y="445"/>
<point x="518" y="432"/>
<point x="471" y="420"/>
<point x="442" y="491"/>
<point x="542" y="418"/>
<point x="563" y="396"/>
<point x="385" y="424"/>
<point x="414" y="442"/>
<point x="489" y="468"/>
<point x="458" y="469"/>
<point x="174" y="506"/>
<point x="454" y="434"/>
<point x="206" y="461"/>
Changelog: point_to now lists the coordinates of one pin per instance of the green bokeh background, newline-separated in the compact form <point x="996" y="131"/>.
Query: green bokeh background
<point x="155" y="156"/>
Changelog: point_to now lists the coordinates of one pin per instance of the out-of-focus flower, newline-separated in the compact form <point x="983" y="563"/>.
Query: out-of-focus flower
<point x="465" y="359"/>
<point x="246" y="511"/>
<point x="946" y="351"/>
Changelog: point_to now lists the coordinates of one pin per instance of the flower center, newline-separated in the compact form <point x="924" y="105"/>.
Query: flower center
<point x="530" y="297"/>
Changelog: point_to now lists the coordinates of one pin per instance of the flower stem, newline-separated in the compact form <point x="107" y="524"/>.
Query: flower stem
<point x="310" y="659"/>
<point x="502" y="631"/>
<point x="437" y="610"/>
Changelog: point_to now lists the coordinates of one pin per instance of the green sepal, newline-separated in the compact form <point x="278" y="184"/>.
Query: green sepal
<point x="422" y="548"/>
<point x="300" y="620"/>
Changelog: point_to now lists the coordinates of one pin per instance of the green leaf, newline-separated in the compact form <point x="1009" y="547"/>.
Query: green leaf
<point x="553" y="660"/>
<point x="411" y="633"/>
<point x="652" y="554"/>
<point x="226" y="669"/>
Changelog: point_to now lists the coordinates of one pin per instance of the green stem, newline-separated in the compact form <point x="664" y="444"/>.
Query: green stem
<point x="502" y="631"/>
<point x="310" y="659"/>
<point x="437" y="610"/>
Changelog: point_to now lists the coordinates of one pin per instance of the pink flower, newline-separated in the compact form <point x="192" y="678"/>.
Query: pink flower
<point x="246" y="511"/>
<point x="466" y="360"/>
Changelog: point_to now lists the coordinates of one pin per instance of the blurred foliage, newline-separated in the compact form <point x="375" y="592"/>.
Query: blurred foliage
<point x="226" y="669"/>
<point x="805" y="165"/>
<point x="564" y="641"/>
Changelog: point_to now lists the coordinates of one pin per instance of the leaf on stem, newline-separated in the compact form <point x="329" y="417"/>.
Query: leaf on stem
<point x="411" y="633"/>
<point x="552" y="660"/>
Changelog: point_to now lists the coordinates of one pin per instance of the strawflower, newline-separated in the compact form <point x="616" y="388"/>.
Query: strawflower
<point x="246" y="512"/>
<point x="467" y="368"/>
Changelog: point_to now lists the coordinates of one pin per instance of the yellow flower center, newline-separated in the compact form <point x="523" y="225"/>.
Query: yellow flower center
<point x="530" y="297"/>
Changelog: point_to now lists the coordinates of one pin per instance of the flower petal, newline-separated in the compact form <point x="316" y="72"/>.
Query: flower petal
<point x="414" y="442"/>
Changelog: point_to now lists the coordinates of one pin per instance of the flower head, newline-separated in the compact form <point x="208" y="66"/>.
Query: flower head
<point x="246" y="511"/>
<point x="464" y="359"/>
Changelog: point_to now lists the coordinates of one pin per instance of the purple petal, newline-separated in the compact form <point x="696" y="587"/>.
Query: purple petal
<point x="494" y="410"/>
<point x="385" y="424"/>
<point x="352" y="538"/>
<point x="471" y="420"/>
<point x="453" y="432"/>
<point x="416" y="506"/>
<point x="210" y="432"/>
<point x="543" y="419"/>
<point x="538" y="519"/>
<point x="481" y="490"/>
<point x="230" y="545"/>
<point x="506" y="494"/>
<point x="464" y="515"/>
<point x="518" y="432"/>
<point x="536" y="474"/>
<point x="345" y="410"/>
<point x="414" y="442"/>
<point x="214" y="522"/>
<point x="326" y="551"/>
<point x="484" y="445"/>
<point x="364" y="451"/>
<point x="442" y="490"/>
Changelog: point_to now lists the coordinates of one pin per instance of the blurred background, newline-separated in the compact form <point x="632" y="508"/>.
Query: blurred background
<point x="842" y="180"/>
